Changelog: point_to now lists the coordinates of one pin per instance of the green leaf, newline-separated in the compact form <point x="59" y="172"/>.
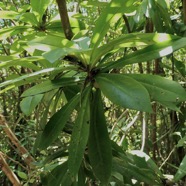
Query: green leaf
<point x="7" y="32"/>
<point x="22" y="175"/>
<point x="155" y="51"/>
<point x="4" y="14"/>
<point x="180" y="66"/>
<point x="47" y="43"/>
<point x="181" y="170"/>
<point x="39" y="7"/>
<point x="55" y="54"/>
<point x="124" y="91"/>
<point x="56" y="123"/>
<point x="29" y="17"/>
<point x="80" y="135"/>
<point x="112" y="12"/>
<point x="28" y="76"/>
<point x="56" y="179"/>
<point x="161" y="89"/>
<point x="132" y="40"/>
<point x="182" y="142"/>
<point x="28" y="104"/>
<point x="99" y="146"/>
<point x="49" y="85"/>
<point x="24" y="62"/>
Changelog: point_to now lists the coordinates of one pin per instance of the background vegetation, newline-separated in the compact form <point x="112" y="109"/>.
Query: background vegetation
<point x="92" y="92"/>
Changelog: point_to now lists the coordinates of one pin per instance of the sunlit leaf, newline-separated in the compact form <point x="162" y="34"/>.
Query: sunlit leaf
<point x="49" y="85"/>
<point x="7" y="32"/>
<point x="132" y="40"/>
<point x="161" y="89"/>
<point x="124" y="91"/>
<point x="4" y="14"/>
<point x="154" y="51"/>
<point x="39" y="7"/>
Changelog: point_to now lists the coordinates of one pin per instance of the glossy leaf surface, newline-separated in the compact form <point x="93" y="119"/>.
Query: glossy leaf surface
<point x="148" y="53"/>
<point x="124" y="91"/>
<point x="161" y="89"/>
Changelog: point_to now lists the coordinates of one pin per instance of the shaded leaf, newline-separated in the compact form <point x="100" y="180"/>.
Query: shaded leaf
<point x="181" y="170"/>
<point x="80" y="135"/>
<point x="56" y="179"/>
<point x="99" y="146"/>
<point x="28" y="104"/>
<point x="56" y="123"/>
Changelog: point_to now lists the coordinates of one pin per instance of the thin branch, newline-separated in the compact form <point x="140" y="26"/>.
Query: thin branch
<point x="8" y="172"/>
<point x="62" y="7"/>
<point x="167" y="158"/>
<point x="28" y="159"/>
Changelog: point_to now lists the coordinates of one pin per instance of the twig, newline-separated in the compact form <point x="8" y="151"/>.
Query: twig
<point x="28" y="159"/>
<point x="167" y="157"/>
<point x="8" y="172"/>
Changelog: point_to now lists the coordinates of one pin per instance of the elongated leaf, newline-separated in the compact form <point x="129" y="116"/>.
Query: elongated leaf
<point x="4" y="14"/>
<point x="181" y="170"/>
<point x="29" y="17"/>
<point x="33" y="75"/>
<point x="39" y="7"/>
<point x="112" y="12"/>
<point x="149" y="53"/>
<point x="124" y="91"/>
<point x="47" y="43"/>
<point x="56" y="179"/>
<point x="49" y="85"/>
<point x="55" y="54"/>
<point x="132" y="40"/>
<point x="25" y="62"/>
<point x="7" y="32"/>
<point x="27" y="76"/>
<point x="28" y="104"/>
<point x="80" y="135"/>
<point x="161" y="89"/>
<point x="99" y="146"/>
<point x="57" y="122"/>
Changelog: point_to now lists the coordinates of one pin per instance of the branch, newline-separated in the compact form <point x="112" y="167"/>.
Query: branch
<point x="8" y="172"/>
<point x="28" y="159"/>
<point x="64" y="18"/>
